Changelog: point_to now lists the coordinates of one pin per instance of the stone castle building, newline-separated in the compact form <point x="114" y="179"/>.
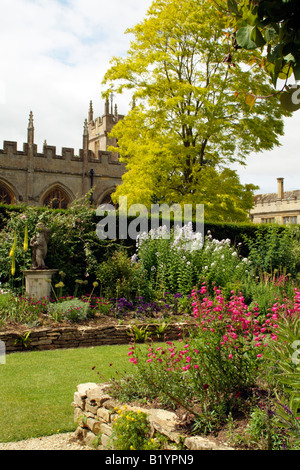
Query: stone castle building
<point x="49" y="179"/>
<point x="282" y="207"/>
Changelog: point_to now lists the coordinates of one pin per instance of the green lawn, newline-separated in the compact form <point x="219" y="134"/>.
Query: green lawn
<point x="37" y="388"/>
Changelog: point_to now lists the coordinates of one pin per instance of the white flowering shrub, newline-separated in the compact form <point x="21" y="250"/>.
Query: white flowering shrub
<point x="221" y="263"/>
<point x="177" y="261"/>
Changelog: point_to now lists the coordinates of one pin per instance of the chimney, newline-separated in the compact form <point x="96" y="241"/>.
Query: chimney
<point x="280" y="188"/>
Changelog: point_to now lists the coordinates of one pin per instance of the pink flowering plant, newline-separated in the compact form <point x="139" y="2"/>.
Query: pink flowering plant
<point x="219" y="360"/>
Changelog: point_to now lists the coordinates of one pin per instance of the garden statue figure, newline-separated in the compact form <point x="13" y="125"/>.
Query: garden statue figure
<point x="39" y="246"/>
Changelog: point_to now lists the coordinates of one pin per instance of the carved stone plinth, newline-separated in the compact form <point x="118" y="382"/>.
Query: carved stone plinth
<point x="38" y="282"/>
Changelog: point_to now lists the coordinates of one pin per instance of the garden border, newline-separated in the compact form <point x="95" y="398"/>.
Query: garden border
<point x="95" y="411"/>
<point x="79" y="336"/>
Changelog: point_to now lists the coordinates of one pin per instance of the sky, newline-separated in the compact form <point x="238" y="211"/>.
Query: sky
<point x="53" y="57"/>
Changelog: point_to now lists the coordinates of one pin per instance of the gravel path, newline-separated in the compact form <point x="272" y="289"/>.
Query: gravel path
<point x="64" y="441"/>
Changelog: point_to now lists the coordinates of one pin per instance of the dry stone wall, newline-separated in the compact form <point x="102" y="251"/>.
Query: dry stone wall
<point x="78" y="336"/>
<point x="95" y="412"/>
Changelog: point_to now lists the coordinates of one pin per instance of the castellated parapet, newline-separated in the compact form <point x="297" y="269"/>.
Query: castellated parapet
<point x="48" y="178"/>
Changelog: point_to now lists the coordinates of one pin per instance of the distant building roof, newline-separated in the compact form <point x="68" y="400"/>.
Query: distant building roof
<point x="273" y="197"/>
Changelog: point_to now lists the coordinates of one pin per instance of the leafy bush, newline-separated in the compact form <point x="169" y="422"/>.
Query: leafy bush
<point x="73" y="310"/>
<point x="73" y="246"/>
<point x="120" y="277"/>
<point x="131" y="430"/>
<point x="275" y="248"/>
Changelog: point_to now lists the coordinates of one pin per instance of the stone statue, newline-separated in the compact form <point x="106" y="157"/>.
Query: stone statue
<point x="39" y="246"/>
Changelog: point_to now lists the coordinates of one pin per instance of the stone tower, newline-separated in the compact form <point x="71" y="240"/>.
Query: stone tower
<point x="99" y="129"/>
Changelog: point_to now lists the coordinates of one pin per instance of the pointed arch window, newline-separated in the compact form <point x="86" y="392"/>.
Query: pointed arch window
<point x="6" y="196"/>
<point x="107" y="199"/>
<point x="56" y="199"/>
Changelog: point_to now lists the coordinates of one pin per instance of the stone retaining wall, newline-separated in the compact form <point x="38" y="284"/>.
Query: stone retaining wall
<point x="79" y="336"/>
<point x="95" y="412"/>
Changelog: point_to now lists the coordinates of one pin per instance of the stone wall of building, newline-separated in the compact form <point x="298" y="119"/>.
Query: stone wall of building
<point x="30" y="177"/>
<point x="282" y="207"/>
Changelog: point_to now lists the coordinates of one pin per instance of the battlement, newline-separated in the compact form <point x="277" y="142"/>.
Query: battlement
<point x="49" y="151"/>
<point x="10" y="150"/>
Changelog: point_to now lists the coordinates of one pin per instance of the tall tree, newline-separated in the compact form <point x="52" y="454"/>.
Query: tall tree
<point x="189" y="123"/>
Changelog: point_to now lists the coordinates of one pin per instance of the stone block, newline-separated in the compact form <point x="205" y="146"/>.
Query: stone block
<point x="106" y="441"/>
<point x="91" y="408"/>
<point x="78" y="416"/>
<point x="84" y="388"/>
<point x="202" y="443"/>
<point x="98" y="393"/>
<point x="93" y="425"/>
<point x="104" y="414"/>
<point x="78" y="400"/>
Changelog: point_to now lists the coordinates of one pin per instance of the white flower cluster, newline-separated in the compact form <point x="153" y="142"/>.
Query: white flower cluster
<point x="153" y="234"/>
<point x="185" y="238"/>
<point x="222" y="250"/>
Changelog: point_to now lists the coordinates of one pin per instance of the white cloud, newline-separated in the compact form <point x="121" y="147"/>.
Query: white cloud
<point x="262" y="169"/>
<point x="53" y="57"/>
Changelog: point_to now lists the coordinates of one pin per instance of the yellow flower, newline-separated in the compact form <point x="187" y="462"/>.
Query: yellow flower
<point x="25" y="244"/>
<point x="13" y="266"/>
<point x="13" y="248"/>
<point x="60" y="284"/>
<point x="131" y="448"/>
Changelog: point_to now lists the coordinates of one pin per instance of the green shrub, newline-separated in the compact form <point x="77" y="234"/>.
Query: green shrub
<point x="73" y="245"/>
<point x="120" y="277"/>
<point x="275" y="248"/>
<point x="263" y="433"/>
<point x="131" y="430"/>
<point x="74" y="310"/>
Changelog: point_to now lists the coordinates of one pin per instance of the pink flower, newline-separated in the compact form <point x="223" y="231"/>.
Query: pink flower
<point x="230" y="356"/>
<point x="133" y="360"/>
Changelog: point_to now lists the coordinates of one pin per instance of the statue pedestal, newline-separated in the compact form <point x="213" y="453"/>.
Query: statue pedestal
<point x="38" y="282"/>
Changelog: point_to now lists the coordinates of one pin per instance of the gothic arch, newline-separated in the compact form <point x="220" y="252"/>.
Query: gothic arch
<point x="8" y="194"/>
<point x="105" y="197"/>
<point x="56" y="196"/>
